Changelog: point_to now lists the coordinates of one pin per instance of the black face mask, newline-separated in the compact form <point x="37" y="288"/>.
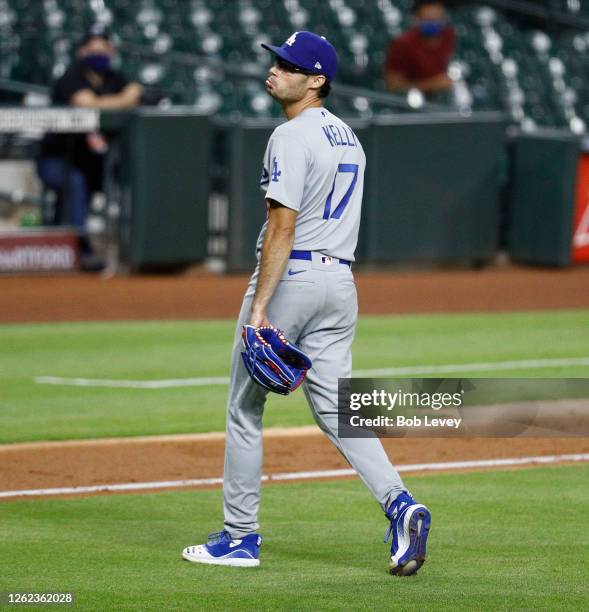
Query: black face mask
<point x="99" y="62"/>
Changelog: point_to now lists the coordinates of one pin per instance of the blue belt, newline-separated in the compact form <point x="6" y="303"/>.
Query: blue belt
<point x="308" y="256"/>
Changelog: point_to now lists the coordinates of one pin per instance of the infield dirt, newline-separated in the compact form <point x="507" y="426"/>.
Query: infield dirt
<point x="202" y="295"/>
<point x="127" y="460"/>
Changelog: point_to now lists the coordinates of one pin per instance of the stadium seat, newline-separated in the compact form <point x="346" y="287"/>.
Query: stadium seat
<point x="503" y="67"/>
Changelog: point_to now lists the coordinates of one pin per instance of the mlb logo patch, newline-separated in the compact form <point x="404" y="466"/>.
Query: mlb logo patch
<point x="327" y="260"/>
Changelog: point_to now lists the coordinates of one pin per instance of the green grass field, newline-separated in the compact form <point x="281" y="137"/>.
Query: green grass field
<point x="512" y="540"/>
<point x="164" y="350"/>
<point x="500" y="540"/>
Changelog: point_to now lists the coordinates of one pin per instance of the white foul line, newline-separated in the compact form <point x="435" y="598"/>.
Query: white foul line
<point x="202" y="482"/>
<point x="133" y="384"/>
<point x="491" y="366"/>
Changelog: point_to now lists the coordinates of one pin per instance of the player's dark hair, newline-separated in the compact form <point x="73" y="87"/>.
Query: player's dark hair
<point x="324" y="90"/>
<point x="419" y="4"/>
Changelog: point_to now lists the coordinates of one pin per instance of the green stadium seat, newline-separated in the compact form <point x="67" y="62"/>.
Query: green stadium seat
<point x="33" y="35"/>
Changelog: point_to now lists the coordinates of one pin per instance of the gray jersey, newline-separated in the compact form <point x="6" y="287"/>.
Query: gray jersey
<point x="315" y="165"/>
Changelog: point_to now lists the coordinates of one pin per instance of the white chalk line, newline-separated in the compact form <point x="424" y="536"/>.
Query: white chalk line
<point x="491" y="366"/>
<point x="306" y="475"/>
<point x="132" y="384"/>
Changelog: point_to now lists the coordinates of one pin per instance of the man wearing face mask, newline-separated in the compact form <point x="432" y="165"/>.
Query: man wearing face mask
<point x="72" y="164"/>
<point x="419" y="58"/>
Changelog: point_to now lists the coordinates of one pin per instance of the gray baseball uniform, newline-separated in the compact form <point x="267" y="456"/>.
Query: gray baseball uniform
<point x="315" y="165"/>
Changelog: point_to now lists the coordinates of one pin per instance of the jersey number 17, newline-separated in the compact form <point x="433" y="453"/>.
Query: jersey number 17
<point x="337" y="213"/>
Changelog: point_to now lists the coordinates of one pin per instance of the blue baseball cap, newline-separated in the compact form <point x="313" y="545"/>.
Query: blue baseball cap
<point x="308" y="51"/>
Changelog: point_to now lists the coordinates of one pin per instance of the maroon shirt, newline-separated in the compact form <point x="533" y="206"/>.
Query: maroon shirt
<point x="411" y="55"/>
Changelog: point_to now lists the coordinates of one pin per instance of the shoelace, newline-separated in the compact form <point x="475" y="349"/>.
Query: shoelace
<point x="218" y="535"/>
<point x="387" y="535"/>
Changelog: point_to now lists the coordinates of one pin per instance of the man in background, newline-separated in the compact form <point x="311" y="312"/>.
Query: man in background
<point x="72" y="164"/>
<point x="419" y="58"/>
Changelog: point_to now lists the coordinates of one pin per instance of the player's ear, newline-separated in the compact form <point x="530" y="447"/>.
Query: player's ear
<point x="318" y="81"/>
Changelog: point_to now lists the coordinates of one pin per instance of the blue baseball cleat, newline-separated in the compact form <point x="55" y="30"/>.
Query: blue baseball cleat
<point x="221" y="549"/>
<point x="410" y="525"/>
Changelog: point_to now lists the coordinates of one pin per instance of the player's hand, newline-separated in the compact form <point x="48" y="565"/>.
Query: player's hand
<point x="259" y="318"/>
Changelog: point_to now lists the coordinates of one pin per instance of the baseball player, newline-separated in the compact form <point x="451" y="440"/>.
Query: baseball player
<point x="313" y="176"/>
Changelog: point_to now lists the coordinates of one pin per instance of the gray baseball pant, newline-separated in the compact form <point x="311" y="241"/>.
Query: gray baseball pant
<point x="318" y="310"/>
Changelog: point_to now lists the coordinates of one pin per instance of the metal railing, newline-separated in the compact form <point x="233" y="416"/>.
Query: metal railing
<point x="551" y="13"/>
<point x="19" y="87"/>
<point x="254" y="71"/>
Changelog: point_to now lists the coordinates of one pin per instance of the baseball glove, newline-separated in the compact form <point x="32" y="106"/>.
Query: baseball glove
<point x="271" y="360"/>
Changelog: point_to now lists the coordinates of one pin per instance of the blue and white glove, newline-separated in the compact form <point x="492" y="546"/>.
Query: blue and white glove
<point x="272" y="361"/>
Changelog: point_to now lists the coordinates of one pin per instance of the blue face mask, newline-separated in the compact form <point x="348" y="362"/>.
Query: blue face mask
<point x="99" y="62"/>
<point x="431" y="28"/>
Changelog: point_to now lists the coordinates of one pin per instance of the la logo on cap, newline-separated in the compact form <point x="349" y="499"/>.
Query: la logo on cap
<point x="291" y="41"/>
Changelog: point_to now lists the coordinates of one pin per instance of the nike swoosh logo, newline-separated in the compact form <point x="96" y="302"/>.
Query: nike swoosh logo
<point x="293" y="272"/>
<point x="234" y="543"/>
